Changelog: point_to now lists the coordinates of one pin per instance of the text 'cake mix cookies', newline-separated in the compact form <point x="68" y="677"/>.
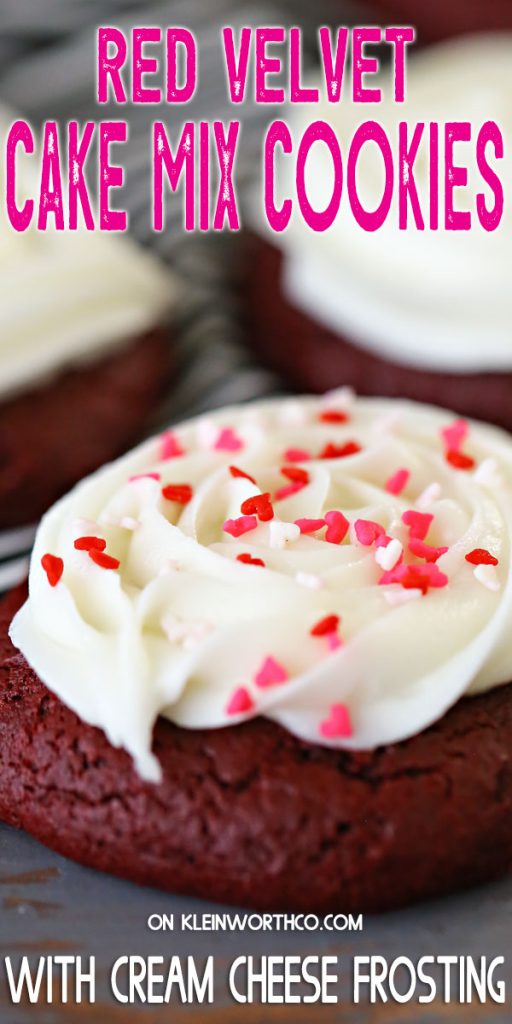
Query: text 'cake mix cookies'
<point x="305" y="593"/>
<point x="84" y="357"/>
<point x="421" y="311"/>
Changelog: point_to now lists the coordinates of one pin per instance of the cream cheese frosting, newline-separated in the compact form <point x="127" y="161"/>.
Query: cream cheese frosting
<point x="339" y="566"/>
<point x="65" y="296"/>
<point x="421" y="298"/>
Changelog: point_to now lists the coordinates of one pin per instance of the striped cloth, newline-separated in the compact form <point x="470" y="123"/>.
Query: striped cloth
<point x="47" y="70"/>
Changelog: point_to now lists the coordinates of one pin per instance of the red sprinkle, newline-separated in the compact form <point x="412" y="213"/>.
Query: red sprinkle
<point x="288" y="490"/>
<point x="296" y="474"/>
<point x="367" y="531"/>
<point x="259" y="505"/>
<point x="338" y="723"/>
<point x="459" y="460"/>
<point x="454" y="435"/>
<point x="416" y="577"/>
<point x="53" y="567"/>
<point x="240" y="702"/>
<point x="228" y="441"/>
<point x="103" y="560"/>
<point x="426" y="551"/>
<point x="418" y="523"/>
<point x="333" y="416"/>
<point x="336" y="451"/>
<point x="247" y="559"/>
<point x="398" y="481"/>
<point x="329" y="624"/>
<point x="296" y="455"/>
<point x="309" y="525"/>
<point x="480" y="556"/>
<point x="236" y="472"/>
<point x="170" y="447"/>
<point x="236" y="527"/>
<point x="181" y="493"/>
<point x="337" y="526"/>
<point x="87" y="543"/>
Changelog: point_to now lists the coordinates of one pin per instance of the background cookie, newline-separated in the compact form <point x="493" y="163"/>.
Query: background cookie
<point x="56" y="433"/>
<point x="313" y="358"/>
<point x="251" y="815"/>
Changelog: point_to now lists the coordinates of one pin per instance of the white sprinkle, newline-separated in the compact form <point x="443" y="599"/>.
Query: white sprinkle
<point x="85" y="527"/>
<point x="307" y="579"/>
<point x="488" y="475"/>
<point x="388" y="556"/>
<point x="186" y="634"/>
<point x="207" y="432"/>
<point x="129" y="523"/>
<point x="293" y="413"/>
<point x="343" y="397"/>
<point x="427" y="497"/>
<point x="388" y="423"/>
<point x="487" y="575"/>
<point x="281" y="534"/>
<point x="399" y="595"/>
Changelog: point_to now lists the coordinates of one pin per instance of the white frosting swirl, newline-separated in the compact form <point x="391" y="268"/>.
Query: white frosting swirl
<point x="182" y="628"/>
<point x="65" y="296"/>
<point x="422" y="298"/>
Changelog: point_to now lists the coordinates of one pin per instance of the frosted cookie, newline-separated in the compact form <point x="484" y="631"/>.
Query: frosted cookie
<point x="85" y="354"/>
<point x="269" y="653"/>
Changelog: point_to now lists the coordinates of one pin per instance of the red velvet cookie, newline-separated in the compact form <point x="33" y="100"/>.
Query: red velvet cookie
<point x="251" y="815"/>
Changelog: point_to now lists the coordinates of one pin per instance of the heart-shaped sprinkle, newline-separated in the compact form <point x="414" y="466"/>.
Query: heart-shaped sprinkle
<point x="87" y="543"/>
<point x="180" y="493"/>
<point x="309" y="525"/>
<point x="389" y="555"/>
<point x="281" y="534"/>
<point x="396" y="483"/>
<point x="240" y="702"/>
<point x="237" y="527"/>
<point x="418" y="523"/>
<point x="328" y="624"/>
<point x="259" y="505"/>
<point x="338" y="724"/>
<point x="367" y="531"/>
<point x="236" y="472"/>
<point x="337" y="527"/>
<point x="480" y="556"/>
<point x="228" y="441"/>
<point x="53" y="567"/>
<point x="170" y="447"/>
<point x="270" y="673"/>
<point x="487" y="575"/>
<point x="247" y="559"/>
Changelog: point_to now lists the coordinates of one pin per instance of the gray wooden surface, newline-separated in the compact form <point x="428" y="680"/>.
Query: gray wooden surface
<point x="50" y="905"/>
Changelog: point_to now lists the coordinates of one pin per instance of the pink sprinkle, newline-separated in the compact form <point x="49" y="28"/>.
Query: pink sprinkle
<point x="334" y="641"/>
<point x="337" y="526"/>
<point x="367" y="531"/>
<point x="418" y="523"/>
<point x="170" y="447"/>
<point x="288" y="490"/>
<point x="296" y="455"/>
<point x="455" y="434"/>
<point x="309" y="525"/>
<point x="416" y="577"/>
<point x="398" y="481"/>
<point x="240" y="702"/>
<point x="237" y="527"/>
<point x="228" y="441"/>
<point x="338" y="723"/>
<point x="270" y="673"/>
<point x="145" y="476"/>
<point x="426" y="551"/>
